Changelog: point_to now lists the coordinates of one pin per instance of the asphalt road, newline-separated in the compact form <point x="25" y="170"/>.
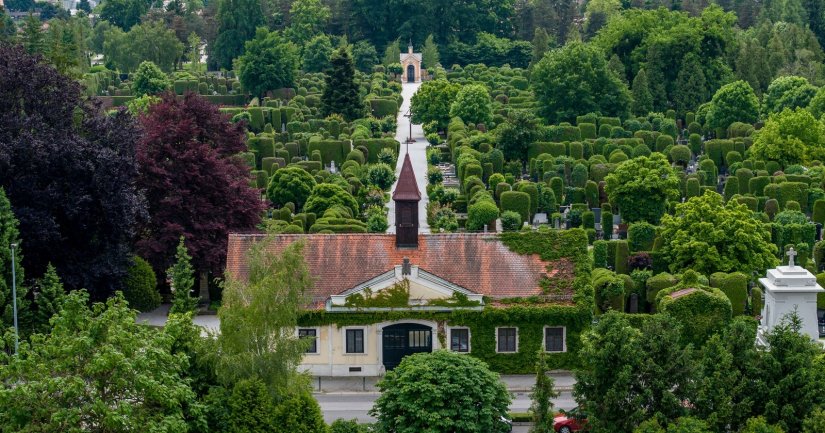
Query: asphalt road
<point x="356" y="405"/>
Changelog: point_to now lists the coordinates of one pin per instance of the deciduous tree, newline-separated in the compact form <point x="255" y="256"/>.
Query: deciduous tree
<point x="195" y="185"/>
<point x="441" y="392"/>
<point x="473" y="104"/>
<point x="790" y="137"/>
<point x="708" y="235"/>
<point x="69" y="171"/>
<point x="258" y="319"/>
<point x="516" y="134"/>
<point x="237" y="23"/>
<point x="734" y="102"/>
<point x="269" y="62"/>
<point x="642" y="186"/>
<point x="594" y="88"/>
<point x="97" y="370"/>
<point x="431" y="103"/>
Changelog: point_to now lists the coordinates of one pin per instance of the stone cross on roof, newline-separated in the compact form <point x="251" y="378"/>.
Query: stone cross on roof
<point x="791" y="254"/>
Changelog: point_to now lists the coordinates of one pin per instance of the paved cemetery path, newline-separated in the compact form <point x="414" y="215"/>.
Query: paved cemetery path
<point x="418" y="157"/>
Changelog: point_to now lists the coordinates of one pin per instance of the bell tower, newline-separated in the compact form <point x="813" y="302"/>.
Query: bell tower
<point x="406" y="197"/>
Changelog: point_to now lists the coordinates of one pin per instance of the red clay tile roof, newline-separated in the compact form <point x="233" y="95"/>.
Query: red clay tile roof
<point x="407" y="188"/>
<point x="479" y="262"/>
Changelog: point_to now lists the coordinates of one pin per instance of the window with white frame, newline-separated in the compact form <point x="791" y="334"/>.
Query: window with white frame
<point x="355" y="340"/>
<point x="554" y="339"/>
<point x="460" y="339"/>
<point x="506" y="340"/>
<point x="312" y="335"/>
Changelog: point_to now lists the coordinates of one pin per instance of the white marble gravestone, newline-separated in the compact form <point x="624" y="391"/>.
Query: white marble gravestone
<point x="789" y="288"/>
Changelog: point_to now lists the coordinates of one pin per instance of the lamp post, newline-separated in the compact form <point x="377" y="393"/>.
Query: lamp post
<point x="14" y="298"/>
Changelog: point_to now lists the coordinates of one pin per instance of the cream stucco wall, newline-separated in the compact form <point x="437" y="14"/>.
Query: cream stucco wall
<point x="332" y="359"/>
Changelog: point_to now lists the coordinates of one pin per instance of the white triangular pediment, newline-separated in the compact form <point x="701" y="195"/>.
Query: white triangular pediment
<point x="424" y="287"/>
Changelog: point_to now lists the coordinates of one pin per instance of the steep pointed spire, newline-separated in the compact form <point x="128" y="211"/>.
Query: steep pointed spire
<point x="407" y="188"/>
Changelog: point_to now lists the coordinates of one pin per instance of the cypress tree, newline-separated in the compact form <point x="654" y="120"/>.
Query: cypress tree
<point x="541" y="44"/>
<point x="392" y="54"/>
<point x="691" y="86"/>
<point x="341" y="93"/>
<point x="542" y="395"/>
<point x="429" y="54"/>
<point x="183" y="279"/>
<point x="642" y="99"/>
<point x="50" y="295"/>
<point x="615" y="64"/>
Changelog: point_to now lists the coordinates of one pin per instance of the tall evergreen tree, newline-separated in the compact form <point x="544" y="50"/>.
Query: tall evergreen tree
<point x="32" y="36"/>
<point x="615" y="64"/>
<point x="9" y="235"/>
<point x="642" y="99"/>
<point x="541" y="44"/>
<point x="183" y="279"/>
<point x="429" y="54"/>
<point x="49" y="299"/>
<point x="341" y="92"/>
<point x="237" y="23"/>
<point x="691" y="86"/>
<point x="542" y="396"/>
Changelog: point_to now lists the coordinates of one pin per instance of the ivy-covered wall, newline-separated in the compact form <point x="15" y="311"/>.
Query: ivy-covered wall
<point x="528" y="316"/>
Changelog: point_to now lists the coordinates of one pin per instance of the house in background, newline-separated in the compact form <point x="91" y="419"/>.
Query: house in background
<point x="379" y="297"/>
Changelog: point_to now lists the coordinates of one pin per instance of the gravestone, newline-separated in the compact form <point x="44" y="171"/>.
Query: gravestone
<point x="633" y="305"/>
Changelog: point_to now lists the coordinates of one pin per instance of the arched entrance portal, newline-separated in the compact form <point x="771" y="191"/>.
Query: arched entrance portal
<point x="405" y="339"/>
<point x="410" y="74"/>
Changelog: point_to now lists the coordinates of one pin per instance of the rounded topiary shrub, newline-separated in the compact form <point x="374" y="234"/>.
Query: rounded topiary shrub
<point x="481" y="213"/>
<point x="511" y="221"/>
<point x="462" y="396"/>
<point x="140" y="287"/>
<point x="610" y="290"/>
<point x="516" y="201"/>
<point x="701" y="310"/>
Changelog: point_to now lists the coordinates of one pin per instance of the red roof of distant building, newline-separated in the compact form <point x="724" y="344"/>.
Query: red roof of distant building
<point x="407" y="188"/>
<point x="479" y="262"/>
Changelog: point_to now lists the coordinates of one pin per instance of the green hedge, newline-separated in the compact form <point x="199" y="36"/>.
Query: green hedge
<point x="735" y="286"/>
<point x="382" y="107"/>
<point x="657" y="283"/>
<point x="331" y="150"/>
<point x="640" y="236"/>
<point x="622" y="253"/>
<point x="374" y="146"/>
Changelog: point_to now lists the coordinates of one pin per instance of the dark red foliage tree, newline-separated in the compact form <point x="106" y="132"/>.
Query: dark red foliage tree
<point x="195" y="185"/>
<point x="69" y="171"/>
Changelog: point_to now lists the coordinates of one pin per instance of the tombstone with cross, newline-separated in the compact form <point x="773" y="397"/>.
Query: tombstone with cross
<point x="789" y="289"/>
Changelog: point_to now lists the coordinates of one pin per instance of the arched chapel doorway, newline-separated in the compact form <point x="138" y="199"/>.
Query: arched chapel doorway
<point x="410" y="74"/>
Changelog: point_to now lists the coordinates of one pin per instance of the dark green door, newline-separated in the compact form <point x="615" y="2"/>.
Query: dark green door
<point x="405" y="339"/>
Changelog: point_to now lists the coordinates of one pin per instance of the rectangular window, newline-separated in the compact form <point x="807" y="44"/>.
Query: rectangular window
<point x="507" y="338"/>
<point x="312" y="334"/>
<point x="554" y="339"/>
<point x="460" y="340"/>
<point x="419" y="339"/>
<point x="355" y="341"/>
